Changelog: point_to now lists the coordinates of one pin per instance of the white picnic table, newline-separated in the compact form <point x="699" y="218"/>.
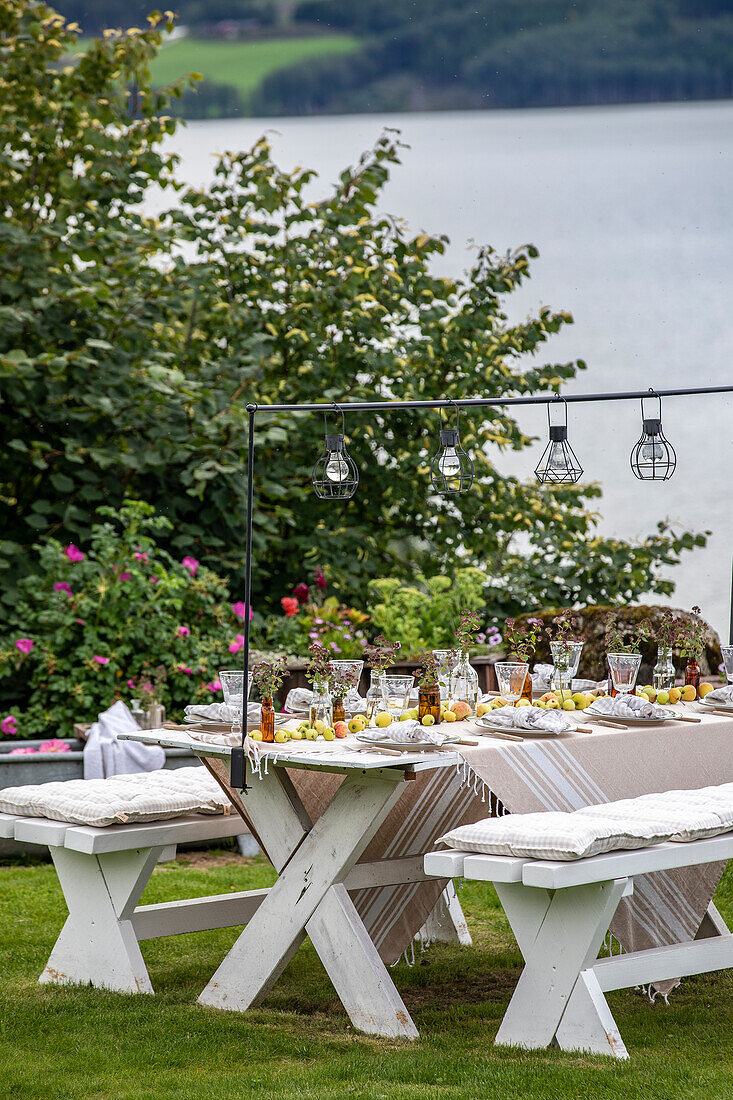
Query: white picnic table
<point x="317" y="867"/>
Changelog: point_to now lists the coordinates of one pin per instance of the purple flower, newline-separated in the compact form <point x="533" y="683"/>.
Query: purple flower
<point x="191" y="564"/>
<point x="183" y="631"/>
<point x="535" y="622"/>
<point x="347" y="637"/>
<point x="25" y="645"/>
<point x="81" y="622"/>
<point x="62" y="586"/>
<point x="336" y="648"/>
<point x="73" y="553"/>
<point x="125" y="576"/>
<point x="9" y="725"/>
<point x="239" y="609"/>
<point x="481" y="638"/>
<point x="139" y="555"/>
<point x="100" y="660"/>
<point x="313" y="634"/>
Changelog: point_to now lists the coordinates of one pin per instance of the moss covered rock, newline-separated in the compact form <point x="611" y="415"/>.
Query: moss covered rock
<point x="592" y="629"/>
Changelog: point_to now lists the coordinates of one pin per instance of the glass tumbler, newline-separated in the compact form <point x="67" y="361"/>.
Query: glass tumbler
<point x="398" y="692"/>
<point x="232" y="684"/>
<point x="727" y="651"/>
<point x="624" y="670"/>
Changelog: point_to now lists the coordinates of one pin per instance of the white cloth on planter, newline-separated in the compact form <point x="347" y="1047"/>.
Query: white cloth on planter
<point x="104" y="755"/>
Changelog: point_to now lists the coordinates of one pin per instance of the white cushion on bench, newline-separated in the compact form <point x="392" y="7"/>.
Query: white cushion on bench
<point x="142" y="796"/>
<point x="629" y="823"/>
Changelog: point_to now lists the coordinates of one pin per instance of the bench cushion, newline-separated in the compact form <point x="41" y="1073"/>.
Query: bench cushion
<point x="628" y="823"/>
<point x="142" y="796"/>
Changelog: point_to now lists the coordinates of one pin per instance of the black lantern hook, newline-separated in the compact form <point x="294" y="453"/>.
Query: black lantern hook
<point x="335" y="475"/>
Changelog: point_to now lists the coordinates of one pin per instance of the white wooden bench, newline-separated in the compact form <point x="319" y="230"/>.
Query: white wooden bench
<point x="560" y="912"/>
<point x="103" y="872"/>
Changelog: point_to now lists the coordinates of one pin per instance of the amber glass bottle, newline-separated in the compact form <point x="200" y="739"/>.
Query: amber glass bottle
<point x="428" y="702"/>
<point x="692" y="674"/>
<point x="267" y="724"/>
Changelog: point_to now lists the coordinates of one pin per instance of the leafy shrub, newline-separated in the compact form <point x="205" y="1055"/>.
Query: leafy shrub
<point x="425" y="615"/>
<point x="90" y="625"/>
<point x="310" y="619"/>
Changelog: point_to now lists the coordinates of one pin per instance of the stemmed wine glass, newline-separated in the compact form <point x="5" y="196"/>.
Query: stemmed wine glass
<point x="510" y="676"/>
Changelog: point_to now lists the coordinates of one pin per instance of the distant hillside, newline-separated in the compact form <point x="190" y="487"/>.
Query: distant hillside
<point x="336" y="56"/>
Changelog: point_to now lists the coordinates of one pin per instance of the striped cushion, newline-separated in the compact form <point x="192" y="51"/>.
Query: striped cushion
<point x="142" y="796"/>
<point x="629" y="823"/>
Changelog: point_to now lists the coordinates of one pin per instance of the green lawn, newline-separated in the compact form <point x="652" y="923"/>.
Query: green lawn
<point x="243" y="65"/>
<point x="81" y="1043"/>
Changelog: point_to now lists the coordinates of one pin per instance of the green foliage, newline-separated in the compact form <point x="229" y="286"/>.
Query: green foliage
<point x="127" y="607"/>
<point x="425" y="615"/>
<point x="126" y="360"/>
<point x="337" y="628"/>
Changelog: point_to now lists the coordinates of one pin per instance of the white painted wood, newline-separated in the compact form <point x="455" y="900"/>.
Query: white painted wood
<point x="446" y="922"/>
<point x="358" y="974"/>
<point x="7" y="826"/>
<point x="557" y="941"/>
<point x="677" y="960"/>
<point x="712" y="924"/>
<point x="587" y="1023"/>
<point x="172" y="918"/>
<point x="447" y="864"/>
<point x="386" y="872"/>
<point x="493" y="868"/>
<point x="143" y="834"/>
<point x="126" y="874"/>
<point x="557" y="875"/>
<point x="323" y="858"/>
<point x="96" y="947"/>
<point x="40" y="830"/>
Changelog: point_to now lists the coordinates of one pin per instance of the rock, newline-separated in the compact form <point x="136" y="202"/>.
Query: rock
<point x="592" y="628"/>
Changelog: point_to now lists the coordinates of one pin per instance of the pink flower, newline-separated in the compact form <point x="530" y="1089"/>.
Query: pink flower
<point x="62" y="586"/>
<point x="81" y="622"/>
<point x="237" y="644"/>
<point x="153" y="580"/>
<point x="290" y="606"/>
<point x="240" y="610"/>
<point x="73" y="553"/>
<point x="100" y="660"/>
<point x="301" y="592"/>
<point x="125" y="576"/>
<point x="182" y="668"/>
<point x="9" y="725"/>
<point x="131" y="684"/>
<point x="25" y="645"/>
<point x="214" y="686"/>
<point x="191" y="564"/>
<point x="140" y="556"/>
<point x="319" y="578"/>
<point x="336" y="648"/>
<point x="183" y="631"/>
<point x="54" y="745"/>
<point x="21" y="752"/>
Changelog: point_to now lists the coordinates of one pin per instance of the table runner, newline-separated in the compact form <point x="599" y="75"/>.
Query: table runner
<point x="559" y="773"/>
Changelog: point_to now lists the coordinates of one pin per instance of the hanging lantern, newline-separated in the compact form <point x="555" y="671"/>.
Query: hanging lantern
<point x="451" y="471"/>
<point x="335" y="476"/>
<point x="653" y="458"/>
<point x="558" y="463"/>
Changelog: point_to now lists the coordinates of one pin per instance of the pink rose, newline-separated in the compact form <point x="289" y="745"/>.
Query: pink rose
<point x="214" y="686"/>
<point x="301" y="592"/>
<point x="239" y="609"/>
<point x="191" y="564"/>
<point x="62" y="586"/>
<point x="73" y="553"/>
<point x="125" y="576"/>
<point x="153" y="580"/>
<point x="131" y="684"/>
<point x="140" y="556"/>
<point x="81" y="622"/>
<point x="9" y="725"/>
<point x="54" y="745"/>
<point x="22" y="752"/>
<point x="183" y="631"/>
<point x="237" y="644"/>
<point x="100" y="660"/>
<point x="25" y="645"/>
<point x="182" y="668"/>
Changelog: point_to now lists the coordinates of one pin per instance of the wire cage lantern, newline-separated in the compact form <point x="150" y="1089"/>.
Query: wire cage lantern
<point x="335" y="475"/>
<point x="558" y="462"/>
<point x="451" y="471"/>
<point x="653" y="457"/>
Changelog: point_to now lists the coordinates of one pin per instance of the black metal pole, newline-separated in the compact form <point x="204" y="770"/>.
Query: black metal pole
<point x="730" y="628"/>
<point x="499" y="402"/>
<point x="238" y="773"/>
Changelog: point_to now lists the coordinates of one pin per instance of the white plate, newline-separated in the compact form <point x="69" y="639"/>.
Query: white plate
<point x="669" y="717"/>
<point x="411" y="746"/>
<point x="718" y="706"/>
<point x="487" y="723"/>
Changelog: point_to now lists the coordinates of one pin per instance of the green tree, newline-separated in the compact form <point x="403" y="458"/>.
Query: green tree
<point x="126" y="361"/>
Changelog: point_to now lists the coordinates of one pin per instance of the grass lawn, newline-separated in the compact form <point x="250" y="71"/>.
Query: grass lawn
<point x="80" y="1043"/>
<point x="243" y="65"/>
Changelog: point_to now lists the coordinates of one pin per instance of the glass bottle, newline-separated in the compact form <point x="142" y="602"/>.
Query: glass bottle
<point x="339" y="713"/>
<point x="692" y="673"/>
<point x="267" y="719"/>
<point x="464" y="686"/>
<point x="428" y="701"/>
<point x="527" y="689"/>
<point x="320" y="708"/>
<point x="376" y="696"/>
<point x="446" y="657"/>
<point x="664" y="672"/>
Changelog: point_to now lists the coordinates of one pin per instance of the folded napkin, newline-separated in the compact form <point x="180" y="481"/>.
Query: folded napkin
<point x="530" y="718"/>
<point x="407" y="732"/>
<point x="629" y="706"/>
<point x="723" y="695"/>
<point x="219" y="712"/>
<point x="299" y="699"/>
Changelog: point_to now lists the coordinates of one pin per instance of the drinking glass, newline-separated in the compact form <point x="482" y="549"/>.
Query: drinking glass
<point x="232" y="684"/>
<point x="624" y="670"/>
<point x="353" y="702"/>
<point x="727" y="651"/>
<point x="510" y="676"/>
<point x="398" y="692"/>
<point x="447" y="660"/>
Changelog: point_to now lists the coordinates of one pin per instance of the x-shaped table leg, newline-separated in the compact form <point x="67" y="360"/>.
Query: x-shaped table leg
<point x="309" y="899"/>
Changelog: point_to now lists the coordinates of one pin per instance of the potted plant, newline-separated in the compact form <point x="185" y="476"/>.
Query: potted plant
<point x="521" y="643"/>
<point x="319" y="672"/>
<point x="380" y="656"/>
<point x="463" y="691"/>
<point x="691" y="640"/>
<point x="267" y="676"/>
<point x="428" y="689"/>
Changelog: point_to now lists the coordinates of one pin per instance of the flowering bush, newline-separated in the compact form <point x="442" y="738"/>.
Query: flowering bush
<point x="100" y="622"/>
<point x="425" y="615"/>
<point x="308" y="617"/>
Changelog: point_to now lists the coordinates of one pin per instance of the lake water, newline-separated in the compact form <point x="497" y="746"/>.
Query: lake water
<point x="632" y="211"/>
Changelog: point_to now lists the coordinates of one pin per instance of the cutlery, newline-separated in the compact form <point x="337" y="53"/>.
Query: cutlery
<point x="687" y="718"/>
<point x="609" y="722"/>
<point x="505" y="736"/>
